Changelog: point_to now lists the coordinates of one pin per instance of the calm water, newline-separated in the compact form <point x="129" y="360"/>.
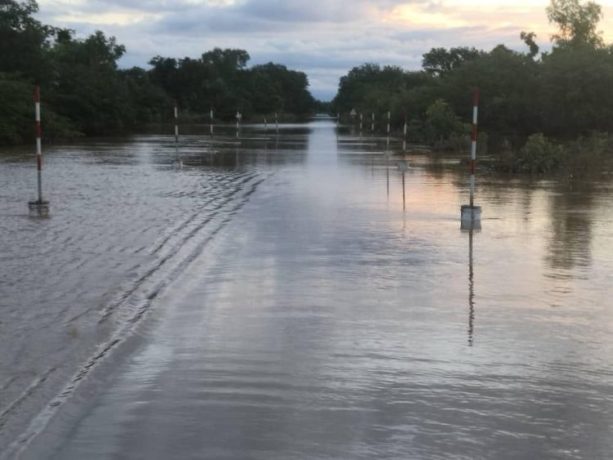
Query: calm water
<point x="277" y="298"/>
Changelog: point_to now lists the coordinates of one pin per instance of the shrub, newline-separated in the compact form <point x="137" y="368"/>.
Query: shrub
<point x="540" y="155"/>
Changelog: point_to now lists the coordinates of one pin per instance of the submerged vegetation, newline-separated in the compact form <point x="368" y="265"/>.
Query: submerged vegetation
<point x="542" y="112"/>
<point x="85" y="92"/>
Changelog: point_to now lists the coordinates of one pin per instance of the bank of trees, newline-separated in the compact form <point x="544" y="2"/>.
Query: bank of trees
<point x="85" y="92"/>
<point x="563" y="94"/>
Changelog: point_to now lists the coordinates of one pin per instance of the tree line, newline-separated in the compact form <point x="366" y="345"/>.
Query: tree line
<point x="533" y="103"/>
<point x="86" y="93"/>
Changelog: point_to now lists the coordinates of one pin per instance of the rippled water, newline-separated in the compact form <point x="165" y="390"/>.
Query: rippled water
<point x="300" y="305"/>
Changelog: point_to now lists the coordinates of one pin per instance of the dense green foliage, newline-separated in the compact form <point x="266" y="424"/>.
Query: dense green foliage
<point x="85" y="93"/>
<point x="563" y="94"/>
<point x="220" y="79"/>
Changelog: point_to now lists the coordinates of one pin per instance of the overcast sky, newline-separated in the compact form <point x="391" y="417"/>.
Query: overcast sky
<point x="324" y="38"/>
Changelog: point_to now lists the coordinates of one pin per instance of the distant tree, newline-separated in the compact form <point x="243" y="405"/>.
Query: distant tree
<point x="529" y="39"/>
<point x="15" y="110"/>
<point x="441" y="121"/>
<point x="577" y="22"/>
<point x="439" y="61"/>
<point x="87" y="87"/>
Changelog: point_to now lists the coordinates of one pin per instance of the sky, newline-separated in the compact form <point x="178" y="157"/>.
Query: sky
<point x="323" y="38"/>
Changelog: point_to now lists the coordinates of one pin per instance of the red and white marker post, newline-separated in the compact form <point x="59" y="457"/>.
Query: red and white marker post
<point x="471" y="214"/>
<point x="39" y="206"/>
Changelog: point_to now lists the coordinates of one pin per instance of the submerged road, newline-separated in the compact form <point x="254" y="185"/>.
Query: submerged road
<point x="322" y="321"/>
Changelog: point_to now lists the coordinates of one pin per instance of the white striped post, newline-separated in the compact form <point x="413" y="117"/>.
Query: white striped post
<point x="389" y="121"/>
<point x="361" y="122"/>
<point x="265" y="124"/>
<point x="238" y="123"/>
<point x="405" y="131"/>
<point x="40" y="206"/>
<point x="389" y="128"/>
<point x="39" y="142"/>
<point x="473" y="147"/>
<point x="372" y="124"/>
<point x="471" y="214"/>
<point x="277" y="122"/>
<point x="212" y="117"/>
<point x="176" y="126"/>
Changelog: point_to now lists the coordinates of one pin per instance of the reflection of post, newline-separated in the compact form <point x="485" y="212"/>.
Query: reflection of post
<point x="387" y="168"/>
<point x="404" y="196"/>
<point x="403" y="166"/>
<point x="471" y="290"/>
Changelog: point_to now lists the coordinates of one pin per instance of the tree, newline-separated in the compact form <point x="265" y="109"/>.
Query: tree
<point x="577" y="23"/>
<point x="23" y="39"/>
<point x="440" y="61"/>
<point x="441" y="122"/>
<point x="529" y="39"/>
<point x="87" y="87"/>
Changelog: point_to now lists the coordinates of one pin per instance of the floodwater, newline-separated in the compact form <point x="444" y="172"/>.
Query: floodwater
<point x="285" y="297"/>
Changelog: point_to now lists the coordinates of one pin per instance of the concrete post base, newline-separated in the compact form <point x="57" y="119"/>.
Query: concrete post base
<point x="38" y="208"/>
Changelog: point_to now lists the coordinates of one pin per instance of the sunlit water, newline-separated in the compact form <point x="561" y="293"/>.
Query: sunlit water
<point x="278" y="298"/>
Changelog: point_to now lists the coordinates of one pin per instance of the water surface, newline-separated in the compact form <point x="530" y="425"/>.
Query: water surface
<point x="284" y="297"/>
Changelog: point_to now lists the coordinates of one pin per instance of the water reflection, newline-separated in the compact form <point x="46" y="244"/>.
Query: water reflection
<point x="571" y="209"/>
<point x="471" y="289"/>
<point x="403" y="166"/>
<point x="323" y="322"/>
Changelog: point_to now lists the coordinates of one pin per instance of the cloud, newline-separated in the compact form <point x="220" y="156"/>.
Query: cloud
<point x="324" y="38"/>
